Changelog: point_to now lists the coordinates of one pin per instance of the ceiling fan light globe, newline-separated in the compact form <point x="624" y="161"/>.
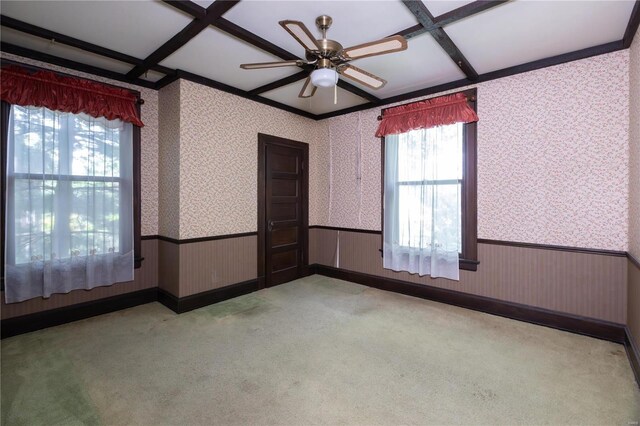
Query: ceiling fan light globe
<point x="324" y="77"/>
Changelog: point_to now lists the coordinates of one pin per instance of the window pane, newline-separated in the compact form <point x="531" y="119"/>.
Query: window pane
<point x="33" y="219"/>
<point x="431" y="154"/>
<point x="419" y="205"/>
<point x="96" y="147"/>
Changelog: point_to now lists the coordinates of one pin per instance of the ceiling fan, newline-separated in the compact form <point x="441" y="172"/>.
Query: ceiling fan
<point x="325" y="58"/>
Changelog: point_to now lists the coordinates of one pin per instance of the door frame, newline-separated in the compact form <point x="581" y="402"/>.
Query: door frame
<point x="263" y="141"/>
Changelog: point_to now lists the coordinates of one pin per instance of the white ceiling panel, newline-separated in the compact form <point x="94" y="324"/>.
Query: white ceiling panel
<point x="203" y="3"/>
<point x="354" y="22"/>
<point x="423" y="64"/>
<point x="319" y="103"/>
<point x="38" y="44"/>
<point x="136" y="28"/>
<point x="440" y="7"/>
<point x="525" y="31"/>
<point x="216" y="55"/>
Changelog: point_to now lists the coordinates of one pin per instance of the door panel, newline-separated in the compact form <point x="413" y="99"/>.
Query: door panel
<point x="285" y="221"/>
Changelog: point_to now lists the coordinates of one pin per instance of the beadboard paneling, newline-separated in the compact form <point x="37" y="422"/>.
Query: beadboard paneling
<point x="588" y="285"/>
<point x="633" y="302"/>
<point x="169" y="267"/>
<point x="145" y="277"/>
<point x="208" y="265"/>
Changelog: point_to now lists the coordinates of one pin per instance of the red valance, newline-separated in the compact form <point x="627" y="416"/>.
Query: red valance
<point x="67" y="94"/>
<point x="440" y="111"/>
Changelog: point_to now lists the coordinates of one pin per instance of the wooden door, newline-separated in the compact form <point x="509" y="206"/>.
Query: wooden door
<point x="282" y="209"/>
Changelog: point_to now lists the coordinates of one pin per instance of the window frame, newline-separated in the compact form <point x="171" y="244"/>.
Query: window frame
<point x="5" y="109"/>
<point x="469" y="204"/>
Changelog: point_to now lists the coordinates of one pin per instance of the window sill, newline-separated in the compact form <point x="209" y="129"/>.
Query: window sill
<point x="468" y="265"/>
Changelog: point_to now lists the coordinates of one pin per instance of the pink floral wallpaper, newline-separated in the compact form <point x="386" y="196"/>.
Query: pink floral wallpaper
<point x="553" y="165"/>
<point x="218" y="159"/>
<point x="634" y="147"/>
<point x="169" y="161"/>
<point x="149" y="136"/>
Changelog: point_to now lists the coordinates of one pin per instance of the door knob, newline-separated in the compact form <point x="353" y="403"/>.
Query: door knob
<point x="270" y="227"/>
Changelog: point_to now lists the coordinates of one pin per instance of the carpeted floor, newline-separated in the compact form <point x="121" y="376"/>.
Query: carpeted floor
<point x="313" y="351"/>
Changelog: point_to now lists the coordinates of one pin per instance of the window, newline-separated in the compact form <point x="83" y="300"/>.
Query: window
<point x="429" y="191"/>
<point x="72" y="200"/>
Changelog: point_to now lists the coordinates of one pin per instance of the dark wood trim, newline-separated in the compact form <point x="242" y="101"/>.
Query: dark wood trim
<point x="137" y="193"/>
<point x="5" y="111"/>
<point x="39" y="320"/>
<point x="55" y="60"/>
<point x="74" y="42"/>
<point x="506" y="72"/>
<point x="279" y="83"/>
<point x="634" y="261"/>
<point x="199" y="239"/>
<point x="336" y="228"/>
<point x="632" y="353"/>
<point x="573" y="323"/>
<point x="166" y="80"/>
<point x="600" y="252"/>
<point x="188" y="7"/>
<point x="234" y="91"/>
<point x="426" y="19"/>
<point x="195" y="27"/>
<point x="180" y="305"/>
<point x="263" y="141"/>
<point x="632" y="26"/>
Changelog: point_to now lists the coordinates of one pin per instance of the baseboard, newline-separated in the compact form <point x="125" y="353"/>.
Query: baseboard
<point x="195" y="301"/>
<point x="39" y="320"/>
<point x="632" y="353"/>
<point x="576" y="324"/>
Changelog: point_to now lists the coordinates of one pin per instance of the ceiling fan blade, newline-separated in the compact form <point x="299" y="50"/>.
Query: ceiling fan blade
<point x="278" y="64"/>
<point x="396" y="43"/>
<point x="301" y="33"/>
<point x="361" y="76"/>
<point x="308" y="89"/>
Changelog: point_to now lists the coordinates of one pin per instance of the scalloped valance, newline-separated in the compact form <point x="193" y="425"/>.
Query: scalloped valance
<point x="440" y="111"/>
<point x="67" y="94"/>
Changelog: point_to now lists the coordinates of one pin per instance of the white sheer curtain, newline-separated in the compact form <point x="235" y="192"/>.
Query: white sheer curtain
<point x="69" y="203"/>
<point x="422" y="201"/>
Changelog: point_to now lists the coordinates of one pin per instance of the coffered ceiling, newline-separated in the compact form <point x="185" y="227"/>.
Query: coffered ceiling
<point x="450" y="43"/>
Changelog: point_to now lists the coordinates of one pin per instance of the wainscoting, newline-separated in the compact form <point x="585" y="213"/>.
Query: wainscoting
<point x="584" y="284"/>
<point x="189" y="267"/>
<point x="146" y="277"/>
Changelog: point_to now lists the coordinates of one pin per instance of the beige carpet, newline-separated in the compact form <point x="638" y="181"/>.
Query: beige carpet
<point x="313" y="351"/>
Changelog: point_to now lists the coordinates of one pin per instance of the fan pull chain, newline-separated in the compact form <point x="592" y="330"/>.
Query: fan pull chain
<point x="335" y="94"/>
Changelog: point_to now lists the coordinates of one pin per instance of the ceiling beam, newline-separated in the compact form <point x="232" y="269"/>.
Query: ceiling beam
<point x="632" y="27"/>
<point x="189" y="7"/>
<point x="33" y="30"/>
<point x="249" y="37"/>
<point x="195" y="27"/>
<point x="466" y="11"/>
<point x="67" y="63"/>
<point x="451" y="17"/>
<point x="279" y="83"/>
<point x="426" y="19"/>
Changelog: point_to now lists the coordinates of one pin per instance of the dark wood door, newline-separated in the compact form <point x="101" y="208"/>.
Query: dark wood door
<point x="283" y="222"/>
